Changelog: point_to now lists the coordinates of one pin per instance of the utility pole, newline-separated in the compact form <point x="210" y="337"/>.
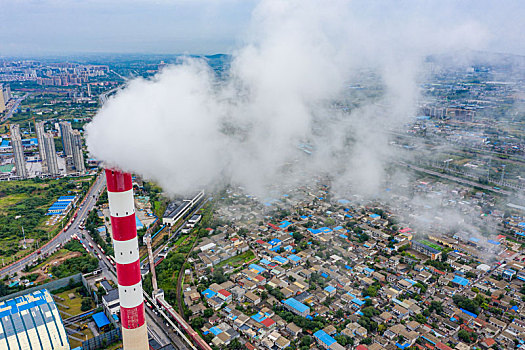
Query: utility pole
<point x="23" y="232"/>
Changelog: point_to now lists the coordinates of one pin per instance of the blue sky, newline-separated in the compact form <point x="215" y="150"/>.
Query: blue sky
<point x="33" y="27"/>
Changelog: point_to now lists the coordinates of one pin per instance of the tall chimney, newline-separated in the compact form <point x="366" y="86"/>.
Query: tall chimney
<point x="125" y="244"/>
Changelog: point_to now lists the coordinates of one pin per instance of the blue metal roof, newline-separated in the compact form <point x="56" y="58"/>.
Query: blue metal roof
<point x="297" y="305"/>
<point x="33" y="316"/>
<point x="324" y="338"/>
<point x="285" y="224"/>
<point x="294" y="258"/>
<point x="258" y="268"/>
<point x="100" y="319"/>
<point x="329" y="289"/>
<point x="314" y="231"/>
<point x="280" y="259"/>
<point x="208" y="293"/>
<point x="469" y="313"/>
<point x="215" y="330"/>
<point x="274" y="241"/>
<point x="461" y="281"/>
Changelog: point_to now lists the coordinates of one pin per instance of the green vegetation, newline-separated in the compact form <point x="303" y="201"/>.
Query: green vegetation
<point x="471" y="305"/>
<point x="24" y="204"/>
<point x="467" y="337"/>
<point x="238" y="260"/>
<point x="93" y="221"/>
<point x="84" y="264"/>
<point x="440" y="265"/>
<point x="312" y="325"/>
<point x="366" y="319"/>
<point x="431" y="245"/>
<point x="71" y="306"/>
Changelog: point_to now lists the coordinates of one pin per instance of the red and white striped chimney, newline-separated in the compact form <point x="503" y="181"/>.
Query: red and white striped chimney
<point x="125" y="244"/>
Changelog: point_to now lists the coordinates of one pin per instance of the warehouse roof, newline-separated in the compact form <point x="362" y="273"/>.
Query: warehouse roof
<point x="100" y="319"/>
<point x="32" y="321"/>
<point x="324" y="338"/>
<point x="296" y="305"/>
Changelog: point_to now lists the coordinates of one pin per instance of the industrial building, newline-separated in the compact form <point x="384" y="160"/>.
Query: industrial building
<point x="179" y="209"/>
<point x="296" y="307"/>
<point x="18" y="152"/>
<point x="427" y="249"/>
<point x="110" y="300"/>
<point x="62" y="205"/>
<point x="32" y="321"/>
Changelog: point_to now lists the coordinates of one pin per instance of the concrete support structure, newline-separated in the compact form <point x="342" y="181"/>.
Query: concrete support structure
<point x="125" y="243"/>
<point x="147" y="242"/>
<point x="18" y="152"/>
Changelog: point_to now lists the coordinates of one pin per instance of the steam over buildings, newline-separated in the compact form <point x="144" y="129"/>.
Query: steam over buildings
<point x="18" y="152"/>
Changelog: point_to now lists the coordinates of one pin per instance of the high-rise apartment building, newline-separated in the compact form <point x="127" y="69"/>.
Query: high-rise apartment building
<point x="39" y="128"/>
<point x="6" y="91"/>
<point x="65" y="131"/>
<point x="18" y="152"/>
<point x="2" y="101"/>
<point x="50" y="154"/>
<point x="78" y="156"/>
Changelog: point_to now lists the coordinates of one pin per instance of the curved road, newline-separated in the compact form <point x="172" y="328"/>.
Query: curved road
<point x="63" y="236"/>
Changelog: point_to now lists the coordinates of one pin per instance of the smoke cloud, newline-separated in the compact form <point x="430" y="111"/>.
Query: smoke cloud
<point x="290" y="107"/>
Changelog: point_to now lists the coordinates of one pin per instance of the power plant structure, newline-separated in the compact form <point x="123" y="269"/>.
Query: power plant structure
<point x="125" y="243"/>
<point x="157" y="293"/>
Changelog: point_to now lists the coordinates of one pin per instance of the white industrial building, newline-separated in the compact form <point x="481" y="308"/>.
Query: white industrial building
<point x="178" y="209"/>
<point x="32" y="321"/>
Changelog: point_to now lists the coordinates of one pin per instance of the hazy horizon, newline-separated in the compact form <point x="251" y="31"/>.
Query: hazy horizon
<point x="65" y="28"/>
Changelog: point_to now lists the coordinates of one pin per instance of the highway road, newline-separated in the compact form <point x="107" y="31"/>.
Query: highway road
<point x="83" y="209"/>
<point x="15" y="105"/>
<point x="457" y="179"/>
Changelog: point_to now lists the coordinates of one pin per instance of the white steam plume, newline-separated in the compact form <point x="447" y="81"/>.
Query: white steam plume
<point x="187" y="129"/>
